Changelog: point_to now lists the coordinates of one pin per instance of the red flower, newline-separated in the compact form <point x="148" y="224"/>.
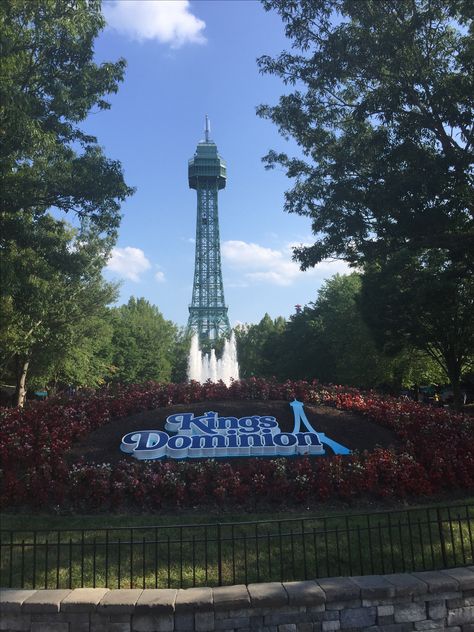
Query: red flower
<point x="437" y="453"/>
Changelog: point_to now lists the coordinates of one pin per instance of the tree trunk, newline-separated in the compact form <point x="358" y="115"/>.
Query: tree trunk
<point x="457" y="395"/>
<point x="21" y="383"/>
<point x="454" y="372"/>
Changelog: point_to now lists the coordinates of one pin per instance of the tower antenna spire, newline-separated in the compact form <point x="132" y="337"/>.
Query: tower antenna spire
<point x="208" y="128"/>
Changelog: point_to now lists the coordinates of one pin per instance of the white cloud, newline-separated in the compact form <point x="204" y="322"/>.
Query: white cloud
<point x="128" y="262"/>
<point x="260" y="264"/>
<point x="275" y="277"/>
<point x="243" y="254"/>
<point x="168" y="21"/>
<point x="329" y="267"/>
<point x="160" y="276"/>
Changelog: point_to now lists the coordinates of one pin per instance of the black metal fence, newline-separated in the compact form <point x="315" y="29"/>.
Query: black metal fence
<point x="242" y="552"/>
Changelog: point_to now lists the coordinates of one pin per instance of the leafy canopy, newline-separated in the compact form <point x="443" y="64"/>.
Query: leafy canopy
<point x="53" y="296"/>
<point x="329" y="340"/>
<point x="49" y="85"/>
<point x="381" y="103"/>
<point x="256" y="346"/>
<point x="53" y="299"/>
<point x="143" y="342"/>
<point x="425" y="302"/>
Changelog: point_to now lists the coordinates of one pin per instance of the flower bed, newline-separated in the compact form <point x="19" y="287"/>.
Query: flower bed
<point x="438" y="453"/>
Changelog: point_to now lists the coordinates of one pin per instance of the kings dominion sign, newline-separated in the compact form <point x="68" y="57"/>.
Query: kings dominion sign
<point x="211" y="436"/>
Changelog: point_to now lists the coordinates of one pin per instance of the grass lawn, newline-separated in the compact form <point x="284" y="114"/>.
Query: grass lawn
<point x="192" y="549"/>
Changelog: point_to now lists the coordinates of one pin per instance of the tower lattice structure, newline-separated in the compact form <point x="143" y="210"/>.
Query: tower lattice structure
<point x="207" y="173"/>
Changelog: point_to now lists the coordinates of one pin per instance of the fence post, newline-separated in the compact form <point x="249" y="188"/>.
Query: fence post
<point x="219" y="554"/>
<point x="441" y="538"/>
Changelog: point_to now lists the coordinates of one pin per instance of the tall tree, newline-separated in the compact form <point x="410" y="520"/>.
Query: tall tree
<point x="143" y="342"/>
<point x="381" y="103"/>
<point x="49" y="85"/>
<point x="86" y="361"/>
<point x="383" y="109"/>
<point x="329" y="340"/>
<point x="346" y="351"/>
<point x="51" y="293"/>
<point x="256" y="346"/>
<point x="425" y="302"/>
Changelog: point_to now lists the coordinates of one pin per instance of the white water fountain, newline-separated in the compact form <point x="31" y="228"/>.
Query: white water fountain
<point x="203" y="367"/>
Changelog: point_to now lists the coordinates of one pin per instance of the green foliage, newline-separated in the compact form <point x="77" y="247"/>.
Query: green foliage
<point x="53" y="299"/>
<point x="339" y="347"/>
<point x="144" y="343"/>
<point x="382" y="106"/>
<point x="425" y="302"/>
<point x="256" y="345"/>
<point x="329" y="340"/>
<point x="182" y="344"/>
<point x="53" y="296"/>
<point x="87" y="361"/>
<point x="49" y="84"/>
<point x="381" y="102"/>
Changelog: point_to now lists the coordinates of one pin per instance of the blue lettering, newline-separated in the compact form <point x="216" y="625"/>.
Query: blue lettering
<point x="307" y="438"/>
<point x="143" y="440"/>
<point x="268" y="438"/>
<point x="249" y="424"/>
<point x="227" y="422"/>
<point x="149" y="440"/>
<point x="207" y="441"/>
<point x="151" y="445"/>
<point x="129" y="441"/>
<point x="204" y="424"/>
<point x="174" y="422"/>
<point x="284" y="439"/>
<point x="209" y="435"/>
<point x="232" y="439"/>
<point x="179" y="442"/>
<point x="268" y="422"/>
<point x="247" y="440"/>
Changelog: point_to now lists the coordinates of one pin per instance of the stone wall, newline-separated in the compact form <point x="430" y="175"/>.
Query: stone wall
<point x="441" y="600"/>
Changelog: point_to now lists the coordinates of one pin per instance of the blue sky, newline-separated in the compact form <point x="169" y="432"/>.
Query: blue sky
<point x="186" y="59"/>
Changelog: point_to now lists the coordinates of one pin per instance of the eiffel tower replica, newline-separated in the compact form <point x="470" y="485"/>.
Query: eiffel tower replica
<point x="207" y="173"/>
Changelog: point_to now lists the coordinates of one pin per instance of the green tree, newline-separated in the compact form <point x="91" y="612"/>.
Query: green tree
<point x="256" y="346"/>
<point x="382" y="107"/>
<point x="51" y="284"/>
<point x="49" y="85"/>
<point x="383" y="110"/>
<point x="182" y="344"/>
<point x="51" y="294"/>
<point x="294" y="350"/>
<point x="143" y="342"/>
<point x="425" y="302"/>
<point x="87" y="360"/>
<point x="328" y="339"/>
<point x="349" y="347"/>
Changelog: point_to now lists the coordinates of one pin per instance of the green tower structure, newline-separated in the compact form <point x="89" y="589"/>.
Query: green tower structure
<point x="207" y="173"/>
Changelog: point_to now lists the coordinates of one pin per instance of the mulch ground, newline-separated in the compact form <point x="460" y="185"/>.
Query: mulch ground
<point x="351" y="430"/>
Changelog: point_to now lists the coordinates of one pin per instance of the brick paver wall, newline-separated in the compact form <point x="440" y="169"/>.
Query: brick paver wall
<point x="441" y="600"/>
